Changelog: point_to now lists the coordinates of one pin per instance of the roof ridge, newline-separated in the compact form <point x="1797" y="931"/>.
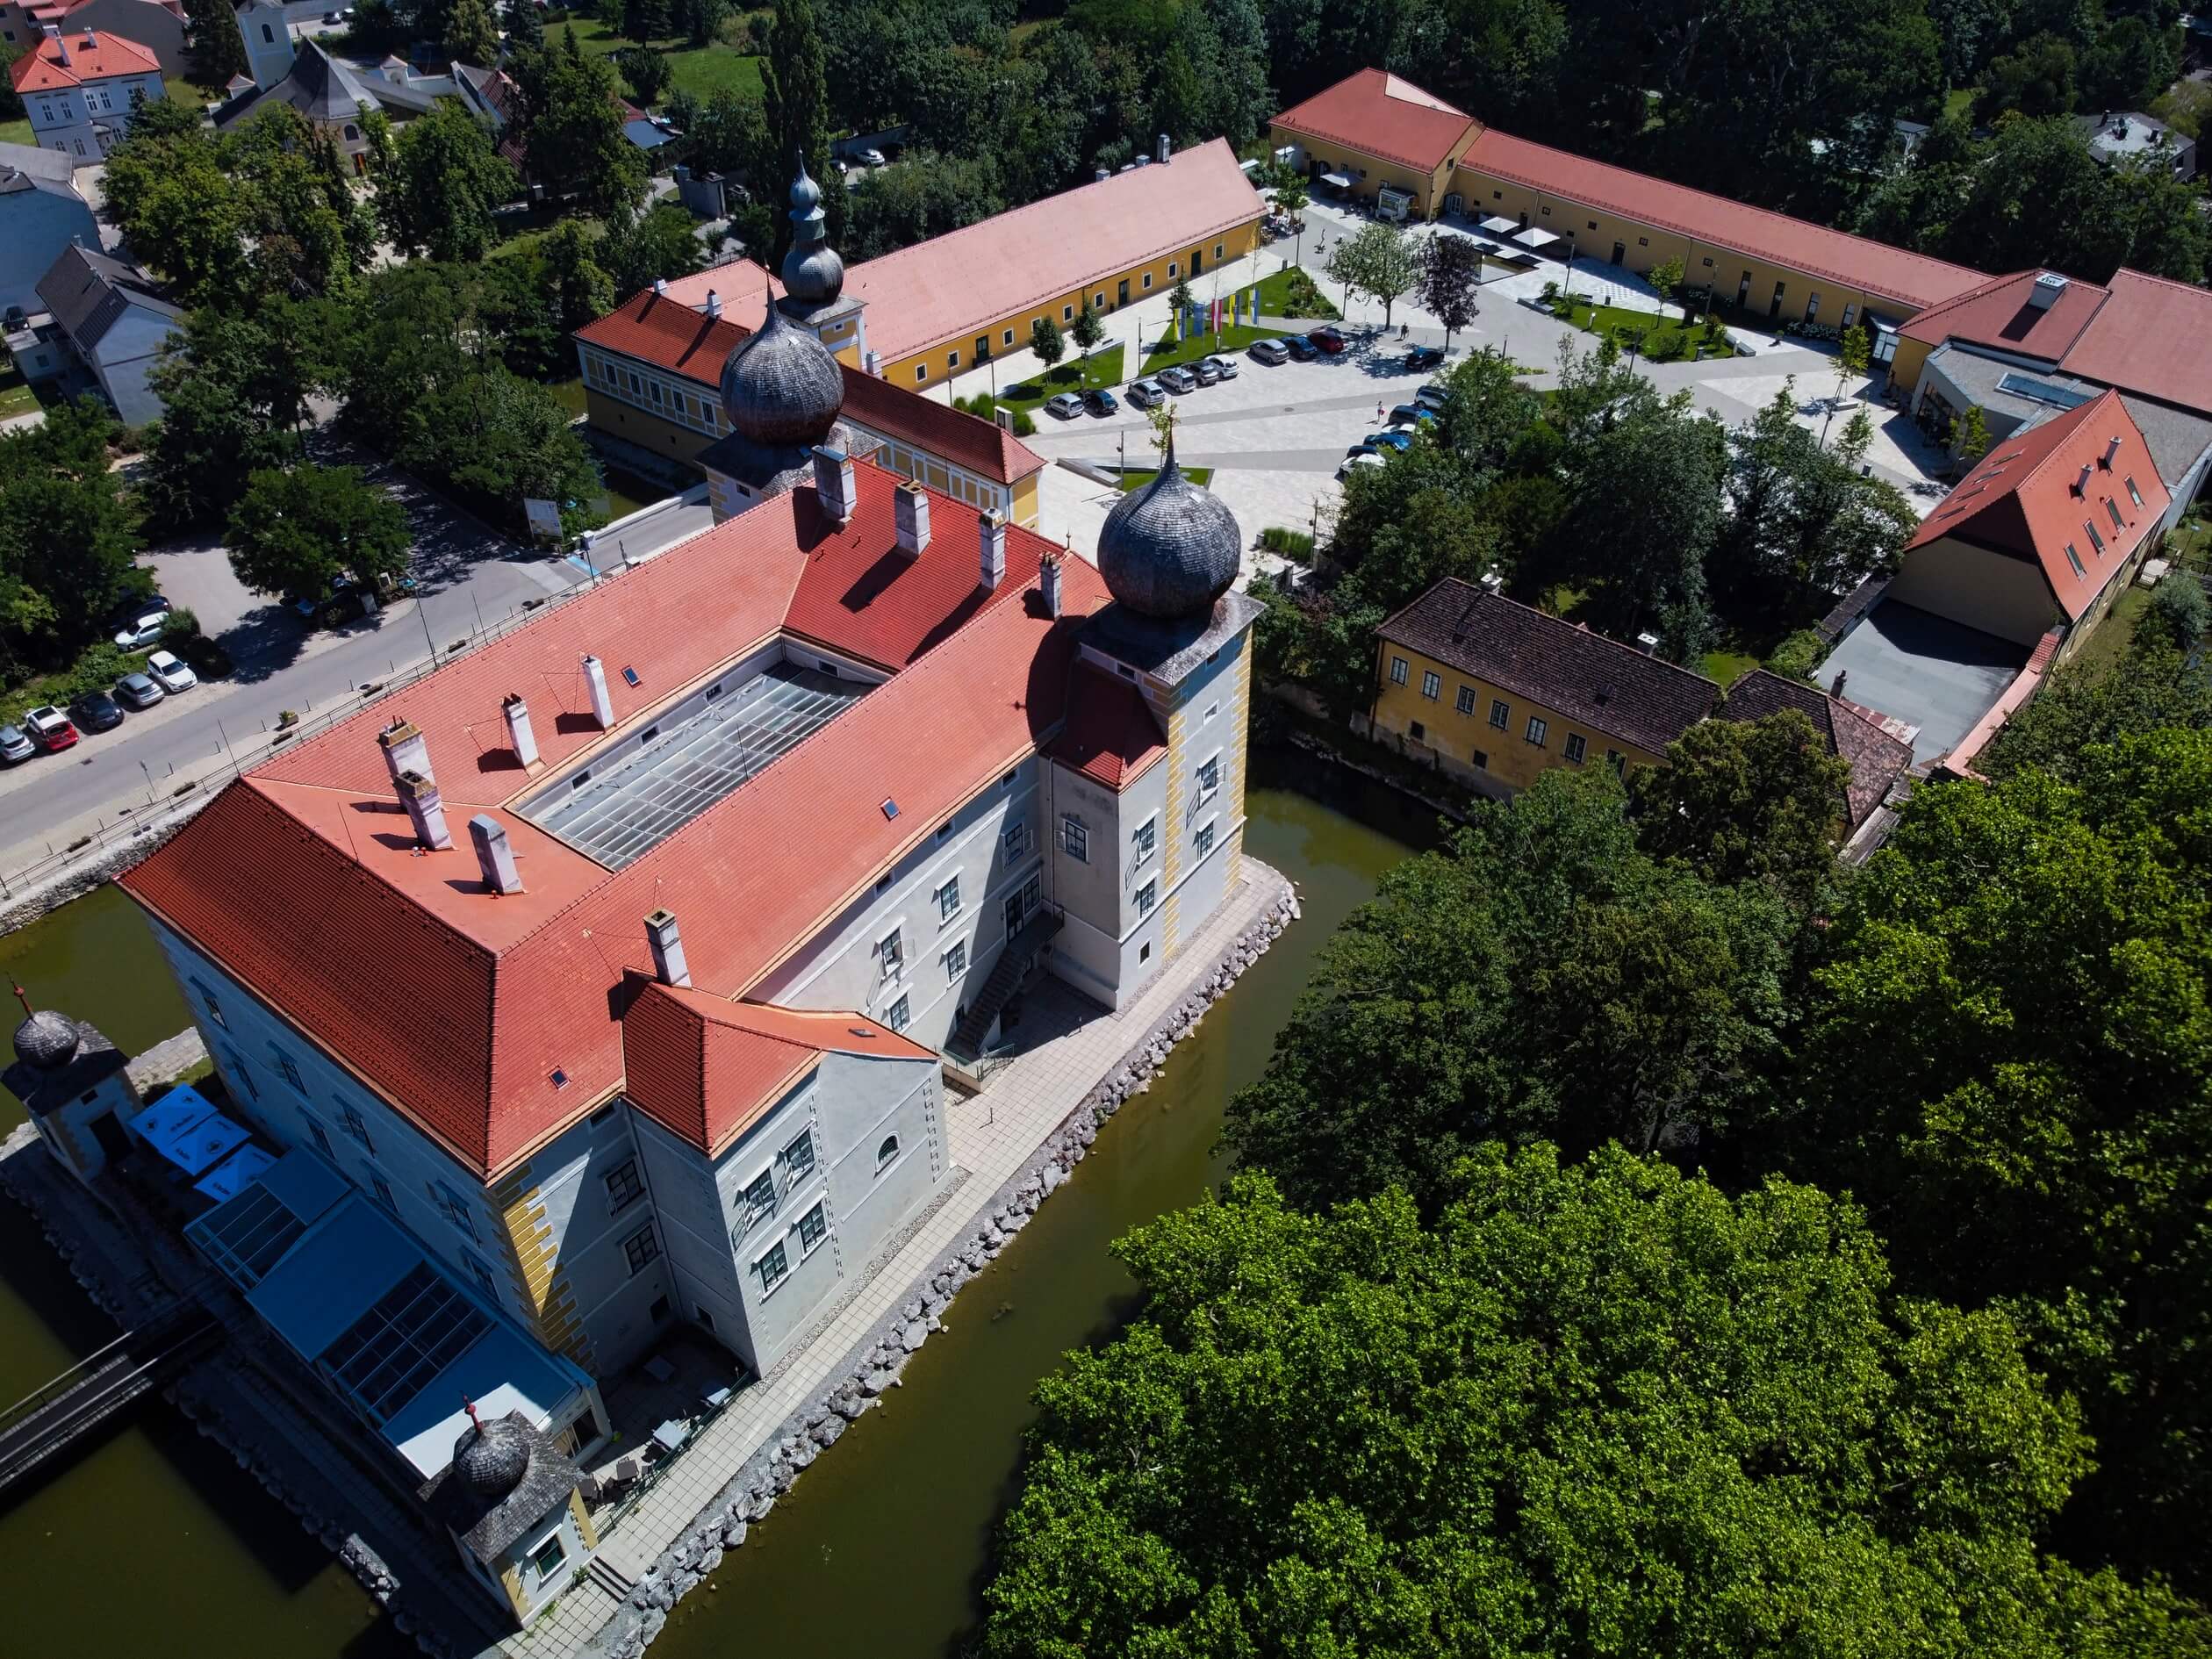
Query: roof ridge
<point x="1560" y="622"/>
<point x="2064" y="425"/>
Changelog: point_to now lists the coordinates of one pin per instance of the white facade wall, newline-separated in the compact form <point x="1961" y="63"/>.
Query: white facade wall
<point x="269" y="50"/>
<point x="1105" y="947"/>
<point x="66" y="120"/>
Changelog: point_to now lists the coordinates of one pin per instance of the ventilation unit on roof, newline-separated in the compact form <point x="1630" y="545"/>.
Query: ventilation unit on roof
<point x="2049" y="286"/>
<point x="1649" y="644"/>
<point x="890" y="808"/>
<point x="1604" y="693"/>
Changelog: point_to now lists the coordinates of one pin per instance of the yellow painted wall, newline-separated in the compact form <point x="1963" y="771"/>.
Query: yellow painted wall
<point x="1992" y="592"/>
<point x="1025" y="501"/>
<point x="619" y="418"/>
<point x="1646" y="244"/>
<point x="1509" y="757"/>
<point x="1368" y="173"/>
<point x="533" y="1258"/>
<point x="1912" y="357"/>
<point x="958" y="357"/>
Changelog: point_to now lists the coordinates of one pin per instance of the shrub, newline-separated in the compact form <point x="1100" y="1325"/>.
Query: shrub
<point x="1295" y="545"/>
<point x="179" y="628"/>
<point x="2180" y="609"/>
<point x="1798" y="655"/>
<point x="1024" y="427"/>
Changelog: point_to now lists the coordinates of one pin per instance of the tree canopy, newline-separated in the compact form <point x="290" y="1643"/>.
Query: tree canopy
<point x="294" y="532"/>
<point x="445" y="183"/>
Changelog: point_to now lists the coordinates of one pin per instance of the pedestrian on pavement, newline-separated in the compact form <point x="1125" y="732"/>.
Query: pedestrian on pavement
<point x="1378" y="414"/>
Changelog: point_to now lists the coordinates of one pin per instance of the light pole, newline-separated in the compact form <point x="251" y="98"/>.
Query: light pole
<point x="149" y="783"/>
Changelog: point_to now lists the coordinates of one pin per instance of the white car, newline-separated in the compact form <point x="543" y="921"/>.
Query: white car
<point x="143" y="630"/>
<point x="1226" y="366"/>
<point x="1355" y="463"/>
<point x="871" y="158"/>
<point x="171" y="673"/>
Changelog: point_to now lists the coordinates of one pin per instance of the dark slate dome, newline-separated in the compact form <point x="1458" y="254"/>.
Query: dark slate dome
<point x="781" y="388"/>
<point x="47" y="1040"/>
<point x="1170" y="549"/>
<point x="813" y="275"/>
<point x="492" y="1458"/>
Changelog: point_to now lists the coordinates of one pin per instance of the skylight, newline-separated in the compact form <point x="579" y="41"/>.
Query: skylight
<point x="394" y="1351"/>
<point x="247" y="1236"/>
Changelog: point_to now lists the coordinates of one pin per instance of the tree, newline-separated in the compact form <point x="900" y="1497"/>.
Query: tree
<point x="1597" y="1408"/>
<point x="1746" y="801"/>
<point x="445" y="185"/>
<point x="2036" y="80"/>
<point x="1290" y="198"/>
<point x="1380" y="260"/>
<point x="525" y="29"/>
<point x="581" y="290"/>
<point x="1486" y="410"/>
<point x="647" y="71"/>
<point x="796" y="91"/>
<point x="2155" y="687"/>
<point x="495" y="440"/>
<point x="1853" y="352"/>
<point x="293" y="533"/>
<point x="704" y="20"/>
<point x="1182" y="302"/>
<point x="644" y="20"/>
<point x="2047" y="1155"/>
<point x="218" y="53"/>
<point x="471" y="36"/>
<point x="1045" y="340"/>
<point x="1451" y="280"/>
<point x="1089" y="327"/>
<point x="1969" y="436"/>
<point x="2179" y="610"/>
<point x="657" y="245"/>
<point x="574" y="137"/>
<point x="1665" y="278"/>
<point x="234" y="391"/>
<point x="1538" y="979"/>
<point x="68" y="540"/>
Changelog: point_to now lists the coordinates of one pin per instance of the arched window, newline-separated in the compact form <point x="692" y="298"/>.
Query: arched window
<point x="887" y="1153"/>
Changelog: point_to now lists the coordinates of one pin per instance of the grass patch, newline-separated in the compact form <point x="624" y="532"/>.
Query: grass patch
<point x="16" y="395"/>
<point x="1170" y="351"/>
<point x="1079" y="375"/>
<point x="701" y="71"/>
<point x="1724" y="668"/>
<point x="570" y="393"/>
<point x="1661" y="338"/>
<point x="1960" y="100"/>
<point x="1137" y="477"/>
<point x="1293" y="293"/>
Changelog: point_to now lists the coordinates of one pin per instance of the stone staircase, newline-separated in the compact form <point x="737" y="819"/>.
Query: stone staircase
<point x="966" y="1043"/>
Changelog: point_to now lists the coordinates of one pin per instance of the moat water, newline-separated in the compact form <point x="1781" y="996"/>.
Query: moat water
<point x="150" y="1539"/>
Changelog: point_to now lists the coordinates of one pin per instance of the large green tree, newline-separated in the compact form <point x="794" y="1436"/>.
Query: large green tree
<point x="1597" y="1409"/>
<point x="233" y="390"/>
<point x="69" y="539"/>
<point x="445" y="183"/>
<point x="1748" y="801"/>
<point x="2010" y="1062"/>
<point x="794" y="90"/>
<point x="293" y="533"/>
<point x="574" y="136"/>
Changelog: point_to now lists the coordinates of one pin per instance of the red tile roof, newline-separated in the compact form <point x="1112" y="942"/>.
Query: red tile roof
<point x="665" y="331"/>
<point x="91" y="56"/>
<point x="1911" y="280"/>
<point x="953" y="287"/>
<point x="463" y="1006"/>
<point x="1876" y="755"/>
<point x="2000" y="314"/>
<point x="2153" y="337"/>
<point x="707" y="1068"/>
<point x="1381" y="114"/>
<point x="2031" y="494"/>
<point x="1111" y="735"/>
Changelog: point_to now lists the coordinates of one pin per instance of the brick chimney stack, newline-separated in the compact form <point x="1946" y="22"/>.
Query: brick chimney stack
<point x="834" y="484"/>
<point x="667" y="945"/>
<point x="1048" y="580"/>
<point x="520" y="738"/>
<point x="602" y="700"/>
<point x="425" y="811"/>
<point x="405" y="750"/>
<point x="910" y="513"/>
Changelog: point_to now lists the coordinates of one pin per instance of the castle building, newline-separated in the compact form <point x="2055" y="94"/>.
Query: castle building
<point x="617" y="967"/>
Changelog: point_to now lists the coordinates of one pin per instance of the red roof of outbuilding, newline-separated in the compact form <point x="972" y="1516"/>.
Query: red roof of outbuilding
<point x="663" y="330"/>
<point x="2152" y="336"/>
<point x="1911" y="280"/>
<point x="2031" y="494"/>
<point x="92" y="56"/>
<point x="2000" y="313"/>
<point x="493" y="1020"/>
<point x="1382" y="114"/>
<point x="1110" y="735"/>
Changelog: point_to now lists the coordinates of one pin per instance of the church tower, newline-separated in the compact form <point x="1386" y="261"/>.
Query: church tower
<point x="814" y="279"/>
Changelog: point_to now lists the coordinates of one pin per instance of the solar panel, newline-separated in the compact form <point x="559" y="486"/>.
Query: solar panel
<point x="392" y="1353"/>
<point x="247" y="1235"/>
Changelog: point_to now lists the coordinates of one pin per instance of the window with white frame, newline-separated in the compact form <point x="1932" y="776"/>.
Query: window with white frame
<point x="624" y="1188"/>
<point x="899" y="1015"/>
<point x="956" y="960"/>
<point x="1074" y="838"/>
<point x="350" y="1119"/>
<point x="214" y="1009"/>
<point x="759" y="1200"/>
<point x="1466" y="704"/>
<point x="799" y="1157"/>
<point x="285" y="1067"/>
<point x="1499" y="713"/>
<point x="1202" y="842"/>
<point x="322" y="1141"/>
<point x="1147" y="896"/>
<point x="549" y="1558"/>
<point x="238" y="1070"/>
<point x="1208" y="778"/>
<point x="1399" y="670"/>
<point x="1536" y="730"/>
<point x="641" y="1249"/>
<point x="1146" y="840"/>
<point x="814" y="1227"/>
<point x="1015" y="839"/>
<point x="1432" y="684"/>
<point x="948" y="900"/>
<point x="774" y="1266"/>
<point x="890" y="953"/>
<point x="382" y="1188"/>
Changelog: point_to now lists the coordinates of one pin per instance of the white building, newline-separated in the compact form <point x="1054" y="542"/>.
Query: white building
<point x="110" y="321"/>
<point x="41" y="215"/>
<point x="264" y="27"/>
<point x="80" y="89"/>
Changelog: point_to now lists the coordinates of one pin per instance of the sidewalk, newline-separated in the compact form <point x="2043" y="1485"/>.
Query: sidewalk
<point x="991" y="1137"/>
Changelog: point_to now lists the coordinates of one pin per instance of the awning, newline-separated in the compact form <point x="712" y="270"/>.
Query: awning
<point x="184" y="1127"/>
<point x="228" y="1178"/>
<point x="1392" y="192"/>
<point x="1499" y="225"/>
<point x="1336" y="181"/>
<point x="1535" y="236"/>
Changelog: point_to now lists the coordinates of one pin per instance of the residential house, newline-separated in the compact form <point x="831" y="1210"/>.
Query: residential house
<point x="2127" y="135"/>
<point x="81" y="88"/>
<point x="160" y="25"/>
<point x="322" y="88"/>
<point x="112" y="320"/>
<point x="1877" y="748"/>
<point x="41" y="214"/>
<point x="1495" y="692"/>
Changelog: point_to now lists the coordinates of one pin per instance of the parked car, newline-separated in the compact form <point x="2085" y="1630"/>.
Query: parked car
<point x="1206" y="371"/>
<point x="49" y="728"/>
<point x="1365" y="446"/>
<point x="96" y="711"/>
<point x="1227" y="365"/>
<point x="1433" y="394"/>
<point x="1067" y="405"/>
<point x="170" y="672"/>
<point x="1412" y="414"/>
<point x="141" y="631"/>
<point x="1178" y="380"/>
<point x="871" y="158"/>
<point x="1354" y="462"/>
<point x="14" y="746"/>
<point x="1145" y="394"/>
<point x="139" y="690"/>
<point x="1272" y="352"/>
<point x="1101" y="402"/>
<point x="1328" y="340"/>
<point x="1300" y="347"/>
<point x="1399" y="440"/>
<point x="131" y="609"/>
<point x="1423" y="357"/>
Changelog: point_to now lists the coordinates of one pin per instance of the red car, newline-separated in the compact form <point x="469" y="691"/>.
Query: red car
<point x="49" y="728"/>
<point x="1327" y="339"/>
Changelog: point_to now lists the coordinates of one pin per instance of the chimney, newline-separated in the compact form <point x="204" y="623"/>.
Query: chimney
<point x="2081" y="484"/>
<point x="92" y="41"/>
<point x="713" y="307"/>
<point x="833" y="483"/>
<point x="1099" y="175"/>
<point x="405" y="750"/>
<point x="1161" y="148"/>
<point x="2111" y="454"/>
<point x="660" y="287"/>
<point x="667" y="945"/>
<point x="910" y="511"/>
<point x="425" y="811"/>
<point x="1648" y="642"/>
<point x="61" y="42"/>
<point x="495" y="855"/>
<point x="1048" y="581"/>
<point x="602" y="704"/>
<point x="520" y="738"/>
<point x="992" y="527"/>
<point x="2048" y="287"/>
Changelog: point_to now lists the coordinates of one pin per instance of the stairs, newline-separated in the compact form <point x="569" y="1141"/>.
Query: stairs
<point x="966" y="1043"/>
<point x="604" y="1574"/>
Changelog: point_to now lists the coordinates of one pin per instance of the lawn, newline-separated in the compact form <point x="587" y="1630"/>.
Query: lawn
<point x="570" y="393"/>
<point x="1280" y="292"/>
<point x="1170" y="351"/>
<point x="1137" y="477"/>
<point x="1724" y="668"/>
<point x="1664" y="338"/>
<point x="701" y="71"/>
<point x="16" y="395"/>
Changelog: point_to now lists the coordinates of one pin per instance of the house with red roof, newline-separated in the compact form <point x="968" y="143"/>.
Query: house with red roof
<point x="1377" y="137"/>
<point x="160" y="25"/>
<point x="80" y="88"/>
<point x="2045" y="531"/>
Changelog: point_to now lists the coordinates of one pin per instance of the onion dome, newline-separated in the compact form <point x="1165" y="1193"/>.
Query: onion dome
<point x="492" y="1458"/>
<point x="1170" y="549"/>
<point x="813" y="275"/>
<point x="781" y="388"/>
<point x="47" y="1041"/>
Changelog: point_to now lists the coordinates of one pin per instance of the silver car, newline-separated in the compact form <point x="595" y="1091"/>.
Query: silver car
<point x="1224" y="367"/>
<point x="14" y="746"/>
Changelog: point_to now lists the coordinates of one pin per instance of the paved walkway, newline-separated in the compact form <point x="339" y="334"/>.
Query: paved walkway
<point x="991" y="1137"/>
